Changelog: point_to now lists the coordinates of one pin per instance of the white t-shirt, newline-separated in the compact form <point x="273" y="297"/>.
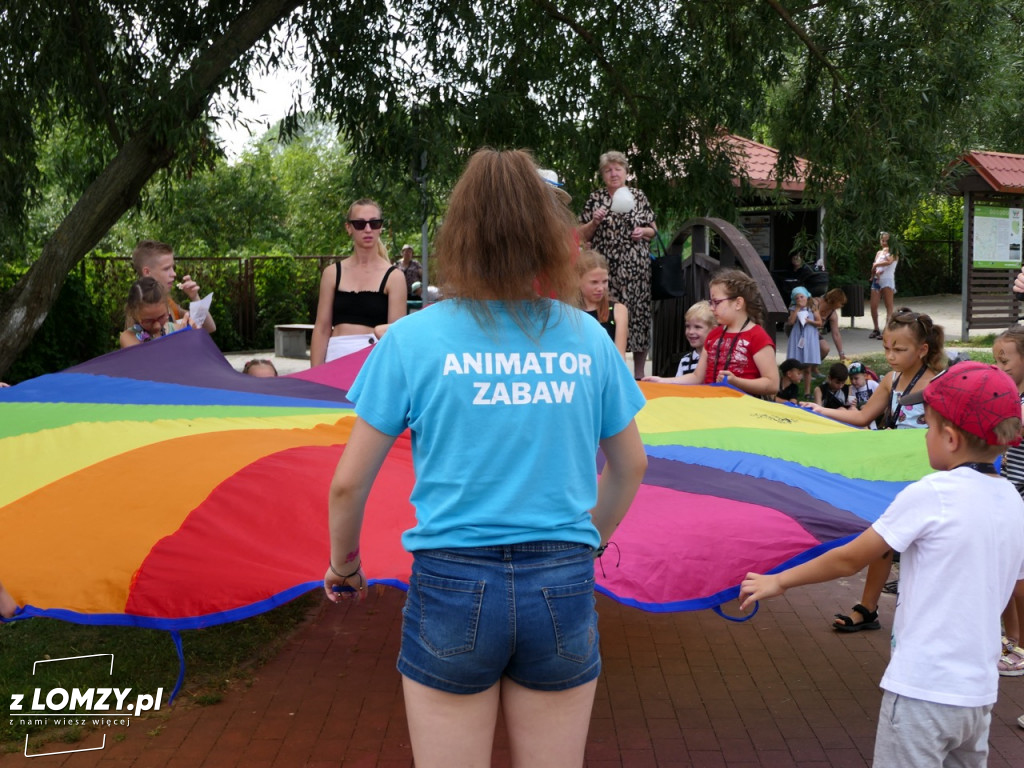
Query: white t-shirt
<point x="862" y="395"/>
<point x="961" y="535"/>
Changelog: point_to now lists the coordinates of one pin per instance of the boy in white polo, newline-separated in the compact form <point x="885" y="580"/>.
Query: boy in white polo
<point x="961" y="534"/>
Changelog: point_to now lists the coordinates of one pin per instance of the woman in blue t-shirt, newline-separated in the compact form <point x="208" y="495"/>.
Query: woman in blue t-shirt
<point x="508" y="395"/>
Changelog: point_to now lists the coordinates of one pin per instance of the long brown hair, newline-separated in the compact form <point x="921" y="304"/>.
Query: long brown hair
<point x="506" y="239"/>
<point x="590" y="260"/>
<point x="923" y="331"/>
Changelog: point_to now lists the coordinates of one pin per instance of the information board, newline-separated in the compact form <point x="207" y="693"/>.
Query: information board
<point x="997" y="237"/>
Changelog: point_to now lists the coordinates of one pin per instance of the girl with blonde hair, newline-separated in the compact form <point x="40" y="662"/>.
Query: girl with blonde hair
<point x="612" y="315"/>
<point x="359" y="302"/>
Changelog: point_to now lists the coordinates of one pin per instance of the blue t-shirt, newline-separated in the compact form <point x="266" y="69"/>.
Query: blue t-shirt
<point x="505" y="428"/>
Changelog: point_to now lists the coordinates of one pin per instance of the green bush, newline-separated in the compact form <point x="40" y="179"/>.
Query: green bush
<point x="74" y="330"/>
<point x="280" y="296"/>
<point x="251" y="294"/>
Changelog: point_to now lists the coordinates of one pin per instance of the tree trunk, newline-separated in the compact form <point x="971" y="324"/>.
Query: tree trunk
<point x="118" y="186"/>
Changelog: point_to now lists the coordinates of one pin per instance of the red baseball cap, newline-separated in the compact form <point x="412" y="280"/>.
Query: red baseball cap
<point x="974" y="396"/>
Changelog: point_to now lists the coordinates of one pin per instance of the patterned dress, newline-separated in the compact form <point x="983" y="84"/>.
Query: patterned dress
<point x="629" y="261"/>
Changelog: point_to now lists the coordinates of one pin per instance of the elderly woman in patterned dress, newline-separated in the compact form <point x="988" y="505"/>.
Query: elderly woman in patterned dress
<point x="623" y="239"/>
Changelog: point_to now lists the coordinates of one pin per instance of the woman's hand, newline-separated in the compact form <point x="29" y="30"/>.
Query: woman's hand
<point x="639" y="233"/>
<point x="600" y="215"/>
<point x="339" y="587"/>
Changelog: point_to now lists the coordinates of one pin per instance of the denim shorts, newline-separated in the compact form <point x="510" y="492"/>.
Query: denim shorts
<point x="525" y="611"/>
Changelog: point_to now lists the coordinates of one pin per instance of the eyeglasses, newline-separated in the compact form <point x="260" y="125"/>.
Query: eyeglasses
<point x="715" y="302"/>
<point x="361" y="224"/>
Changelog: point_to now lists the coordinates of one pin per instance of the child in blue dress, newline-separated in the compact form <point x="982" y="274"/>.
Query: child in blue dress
<point x="804" y="322"/>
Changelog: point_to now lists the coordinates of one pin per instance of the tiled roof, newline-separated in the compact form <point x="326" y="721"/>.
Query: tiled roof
<point x="1000" y="170"/>
<point x="759" y="162"/>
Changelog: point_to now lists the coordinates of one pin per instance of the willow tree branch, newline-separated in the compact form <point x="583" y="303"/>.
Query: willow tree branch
<point x="591" y="40"/>
<point x="815" y="51"/>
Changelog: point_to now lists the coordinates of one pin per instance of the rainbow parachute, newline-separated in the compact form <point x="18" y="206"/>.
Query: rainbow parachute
<point x="155" y="486"/>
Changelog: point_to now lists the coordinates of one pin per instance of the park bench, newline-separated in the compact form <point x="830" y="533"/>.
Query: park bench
<point x="290" y="339"/>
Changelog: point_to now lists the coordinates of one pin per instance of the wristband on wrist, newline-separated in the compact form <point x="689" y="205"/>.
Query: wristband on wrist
<point x="342" y="575"/>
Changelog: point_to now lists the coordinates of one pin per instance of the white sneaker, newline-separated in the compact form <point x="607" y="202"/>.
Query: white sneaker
<point x="1020" y="721"/>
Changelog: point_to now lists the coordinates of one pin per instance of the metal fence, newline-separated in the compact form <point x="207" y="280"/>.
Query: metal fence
<point x="929" y="267"/>
<point x="254" y="293"/>
<point x="251" y="293"/>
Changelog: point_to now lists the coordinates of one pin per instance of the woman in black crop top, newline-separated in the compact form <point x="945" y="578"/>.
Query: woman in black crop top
<point x="360" y="297"/>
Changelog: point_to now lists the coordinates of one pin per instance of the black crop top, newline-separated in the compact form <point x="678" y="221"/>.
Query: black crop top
<point x="369" y="308"/>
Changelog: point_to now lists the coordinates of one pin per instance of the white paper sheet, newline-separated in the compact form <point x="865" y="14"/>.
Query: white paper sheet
<point x="199" y="309"/>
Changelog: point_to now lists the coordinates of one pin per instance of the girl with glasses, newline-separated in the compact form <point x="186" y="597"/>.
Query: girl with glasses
<point x="500" y="613"/>
<point x="738" y="352"/>
<point x="146" y="314"/>
<point x="360" y="298"/>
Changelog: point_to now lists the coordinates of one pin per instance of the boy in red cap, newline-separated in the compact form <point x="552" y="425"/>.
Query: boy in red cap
<point x="941" y="682"/>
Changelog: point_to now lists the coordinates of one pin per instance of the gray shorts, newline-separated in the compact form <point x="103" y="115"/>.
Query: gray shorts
<point x="912" y="732"/>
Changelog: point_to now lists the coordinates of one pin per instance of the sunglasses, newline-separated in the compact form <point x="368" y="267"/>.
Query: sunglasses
<point x="361" y="224"/>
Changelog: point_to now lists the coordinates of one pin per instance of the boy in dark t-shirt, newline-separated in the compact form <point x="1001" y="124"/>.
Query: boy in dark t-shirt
<point x="834" y="392"/>
<point x="791" y="376"/>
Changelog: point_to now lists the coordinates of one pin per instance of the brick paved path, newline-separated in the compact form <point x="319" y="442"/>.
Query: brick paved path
<point x="685" y="689"/>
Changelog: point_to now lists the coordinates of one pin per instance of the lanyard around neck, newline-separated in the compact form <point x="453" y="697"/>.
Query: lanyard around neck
<point x="728" y="358"/>
<point x="899" y="406"/>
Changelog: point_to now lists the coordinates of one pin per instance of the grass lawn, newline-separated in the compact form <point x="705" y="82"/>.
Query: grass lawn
<point x="216" y="658"/>
<point x="979" y="349"/>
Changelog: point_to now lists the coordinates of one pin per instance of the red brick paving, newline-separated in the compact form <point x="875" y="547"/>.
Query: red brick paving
<point x="685" y="689"/>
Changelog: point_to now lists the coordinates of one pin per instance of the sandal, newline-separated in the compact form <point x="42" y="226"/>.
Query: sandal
<point x="1011" y="661"/>
<point x="869" y="620"/>
<point x="1011" y="665"/>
